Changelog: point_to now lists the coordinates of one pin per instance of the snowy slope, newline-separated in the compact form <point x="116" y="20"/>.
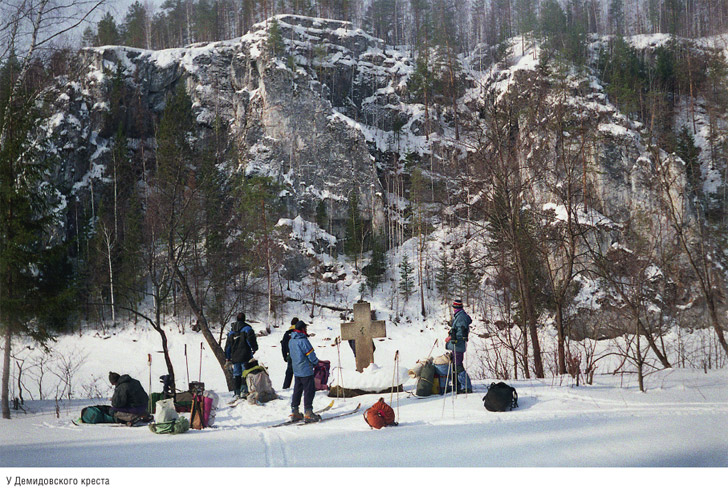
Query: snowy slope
<point x="682" y="419"/>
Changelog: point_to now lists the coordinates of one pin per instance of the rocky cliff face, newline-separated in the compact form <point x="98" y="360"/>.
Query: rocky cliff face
<point x="328" y="111"/>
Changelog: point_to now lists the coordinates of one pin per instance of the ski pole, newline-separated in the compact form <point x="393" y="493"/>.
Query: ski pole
<point x="340" y="374"/>
<point x="199" y="376"/>
<point x="149" y="362"/>
<point x="391" y="394"/>
<point x="447" y="381"/>
<point x="432" y="348"/>
<point x="187" y="365"/>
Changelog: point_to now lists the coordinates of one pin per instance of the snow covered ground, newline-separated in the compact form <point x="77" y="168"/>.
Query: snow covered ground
<point x="680" y="421"/>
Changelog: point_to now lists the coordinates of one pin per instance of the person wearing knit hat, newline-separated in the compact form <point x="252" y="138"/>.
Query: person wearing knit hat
<point x="287" y="354"/>
<point x="304" y="359"/>
<point x="457" y="340"/>
<point x="129" y="401"/>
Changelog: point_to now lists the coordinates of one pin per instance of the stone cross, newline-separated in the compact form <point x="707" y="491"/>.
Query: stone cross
<point x="362" y="330"/>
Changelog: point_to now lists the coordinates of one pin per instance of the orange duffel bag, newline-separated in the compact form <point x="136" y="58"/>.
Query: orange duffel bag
<point x="379" y="415"/>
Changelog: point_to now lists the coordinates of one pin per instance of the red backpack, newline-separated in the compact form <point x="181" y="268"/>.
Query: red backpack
<point x="379" y="415"/>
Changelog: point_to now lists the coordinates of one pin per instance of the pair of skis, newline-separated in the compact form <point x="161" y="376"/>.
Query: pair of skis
<point x="319" y="412"/>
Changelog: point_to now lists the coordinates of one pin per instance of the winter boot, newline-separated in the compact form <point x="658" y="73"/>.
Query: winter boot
<point x="296" y="415"/>
<point x="310" y="417"/>
<point x="238" y="382"/>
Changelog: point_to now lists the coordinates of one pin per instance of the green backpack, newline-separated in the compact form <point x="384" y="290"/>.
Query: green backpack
<point x="98" y="414"/>
<point x="172" y="427"/>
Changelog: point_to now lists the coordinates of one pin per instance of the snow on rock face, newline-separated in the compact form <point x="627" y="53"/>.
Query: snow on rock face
<point x="266" y="103"/>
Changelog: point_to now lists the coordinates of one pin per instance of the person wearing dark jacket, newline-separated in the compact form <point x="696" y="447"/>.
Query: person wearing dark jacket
<point x="457" y="340"/>
<point x="240" y="346"/>
<point x="287" y="354"/>
<point x="304" y="360"/>
<point x="129" y="401"/>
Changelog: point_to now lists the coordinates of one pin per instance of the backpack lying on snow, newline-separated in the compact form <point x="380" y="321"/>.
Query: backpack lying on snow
<point x="97" y="414"/>
<point x="177" y="426"/>
<point x="260" y="387"/>
<point x="379" y="415"/>
<point x="500" y="397"/>
<point x="426" y="379"/>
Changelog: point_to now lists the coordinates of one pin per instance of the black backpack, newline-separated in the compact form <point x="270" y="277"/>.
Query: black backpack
<point x="500" y="397"/>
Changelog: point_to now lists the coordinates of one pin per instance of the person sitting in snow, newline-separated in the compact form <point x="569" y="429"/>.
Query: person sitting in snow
<point x="240" y="346"/>
<point x="129" y="401"/>
<point x="286" y="353"/>
<point x="304" y="360"/>
<point x="457" y="340"/>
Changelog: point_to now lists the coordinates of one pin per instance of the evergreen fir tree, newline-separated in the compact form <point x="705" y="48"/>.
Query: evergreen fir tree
<point x="444" y="277"/>
<point x="467" y="276"/>
<point x="107" y="32"/>
<point x="376" y="268"/>
<point x="35" y="282"/>
<point x="354" y="228"/>
<point x="406" y="278"/>
<point x="275" y="42"/>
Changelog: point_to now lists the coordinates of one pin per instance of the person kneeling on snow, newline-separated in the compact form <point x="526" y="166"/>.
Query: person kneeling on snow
<point x="303" y="359"/>
<point x="129" y="401"/>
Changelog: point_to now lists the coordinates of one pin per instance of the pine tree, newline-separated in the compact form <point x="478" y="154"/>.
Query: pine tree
<point x="690" y="154"/>
<point x="275" y="42"/>
<point x="34" y="272"/>
<point x="376" y="268"/>
<point x="406" y="278"/>
<point x="445" y="279"/>
<point x="107" y="32"/>
<point x="134" y="29"/>
<point x="353" y="241"/>
<point x="467" y="276"/>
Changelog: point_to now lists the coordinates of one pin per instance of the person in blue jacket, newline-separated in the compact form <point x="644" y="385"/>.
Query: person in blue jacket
<point x="457" y="339"/>
<point x="303" y="359"/>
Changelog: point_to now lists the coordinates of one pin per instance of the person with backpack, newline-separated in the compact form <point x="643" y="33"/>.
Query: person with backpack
<point x="457" y="339"/>
<point x="304" y="360"/>
<point x="240" y="346"/>
<point x="287" y="354"/>
<point x="129" y="401"/>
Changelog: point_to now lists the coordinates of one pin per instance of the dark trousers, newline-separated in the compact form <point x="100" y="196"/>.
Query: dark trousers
<point x="305" y="386"/>
<point x="289" y="375"/>
<point x="458" y="360"/>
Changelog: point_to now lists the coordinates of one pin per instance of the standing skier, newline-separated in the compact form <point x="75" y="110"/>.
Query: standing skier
<point x="457" y="340"/>
<point x="303" y="359"/>
<point x="285" y="350"/>
<point x="240" y="346"/>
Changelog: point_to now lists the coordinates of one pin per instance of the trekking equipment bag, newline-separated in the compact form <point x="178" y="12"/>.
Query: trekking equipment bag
<point x="321" y="375"/>
<point x="444" y="376"/>
<point x="379" y="415"/>
<point x="97" y="414"/>
<point x="200" y="412"/>
<point x="260" y="388"/>
<point x="500" y="397"/>
<point x="427" y="377"/>
<point x="172" y="427"/>
<point x="164" y="411"/>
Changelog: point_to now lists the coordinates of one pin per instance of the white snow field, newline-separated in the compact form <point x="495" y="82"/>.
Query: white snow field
<point x="680" y="421"/>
